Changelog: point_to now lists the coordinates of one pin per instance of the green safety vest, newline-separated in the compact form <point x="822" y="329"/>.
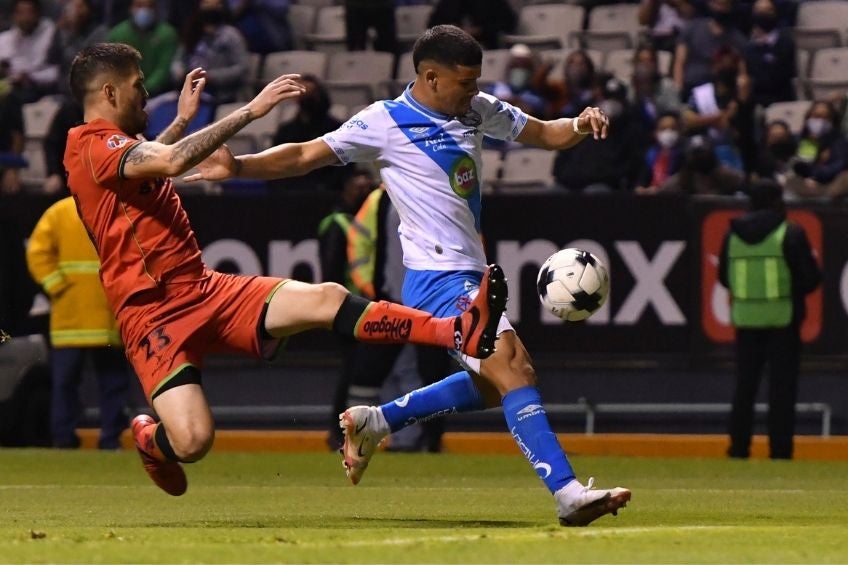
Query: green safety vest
<point x="760" y="282"/>
<point x="344" y="221"/>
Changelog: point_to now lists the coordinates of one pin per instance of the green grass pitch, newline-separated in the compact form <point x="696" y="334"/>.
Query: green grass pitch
<point x="91" y="507"/>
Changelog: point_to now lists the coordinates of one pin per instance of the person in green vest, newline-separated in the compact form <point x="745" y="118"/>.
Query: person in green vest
<point x="156" y="40"/>
<point x="768" y="265"/>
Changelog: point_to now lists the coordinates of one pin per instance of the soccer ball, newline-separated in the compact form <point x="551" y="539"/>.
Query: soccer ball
<point x="573" y="284"/>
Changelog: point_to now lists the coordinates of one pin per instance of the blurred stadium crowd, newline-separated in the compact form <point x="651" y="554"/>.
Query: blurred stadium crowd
<point x="703" y="94"/>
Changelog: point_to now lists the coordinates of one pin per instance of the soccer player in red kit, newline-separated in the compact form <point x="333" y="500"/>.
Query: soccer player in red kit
<point x="172" y="310"/>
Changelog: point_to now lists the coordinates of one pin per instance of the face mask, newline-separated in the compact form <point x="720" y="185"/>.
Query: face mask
<point x="612" y="108"/>
<point x="724" y="19"/>
<point x="518" y="78"/>
<point x="766" y="22"/>
<point x="782" y="150"/>
<point x="144" y="17"/>
<point x="818" y="127"/>
<point x="667" y="138"/>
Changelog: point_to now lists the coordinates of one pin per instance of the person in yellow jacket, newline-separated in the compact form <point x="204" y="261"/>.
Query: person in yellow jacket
<point x="62" y="259"/>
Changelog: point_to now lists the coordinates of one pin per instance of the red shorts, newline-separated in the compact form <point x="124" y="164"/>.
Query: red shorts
<point x="178" y="324"/>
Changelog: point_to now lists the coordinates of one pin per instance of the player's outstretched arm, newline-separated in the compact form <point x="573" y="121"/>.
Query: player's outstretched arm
<point x="565" y="132"/>
<point x="187" y="107"/>
<point x="151" y="159"/>
<point x="286" y="160"/>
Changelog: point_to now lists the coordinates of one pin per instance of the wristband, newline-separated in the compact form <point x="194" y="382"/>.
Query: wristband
<point x="576" y="129"/>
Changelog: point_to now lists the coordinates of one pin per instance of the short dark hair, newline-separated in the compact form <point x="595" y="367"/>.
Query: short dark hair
<point x="116" y="58"/>
<point x="35" y="4"/>
<point x="447" y="45"/>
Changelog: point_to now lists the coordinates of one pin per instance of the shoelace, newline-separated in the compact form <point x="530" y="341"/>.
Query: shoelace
<point x="590" y="484"/>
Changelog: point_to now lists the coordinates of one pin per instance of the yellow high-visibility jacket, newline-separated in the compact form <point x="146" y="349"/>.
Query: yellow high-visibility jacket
<point x="62" y="259"/>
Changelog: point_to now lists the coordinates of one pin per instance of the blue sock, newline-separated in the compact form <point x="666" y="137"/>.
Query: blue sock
<point x="528" y="424"/>
<point x="456" y="393"/>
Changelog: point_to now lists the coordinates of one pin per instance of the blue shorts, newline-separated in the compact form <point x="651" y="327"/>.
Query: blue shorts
<point x="445" y="294"/>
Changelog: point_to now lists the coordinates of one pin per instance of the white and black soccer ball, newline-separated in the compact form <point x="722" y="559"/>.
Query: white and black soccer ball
<point x="573" y="284"/>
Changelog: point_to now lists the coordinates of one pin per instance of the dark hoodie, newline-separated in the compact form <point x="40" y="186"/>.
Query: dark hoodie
<point x="753" y="227"/>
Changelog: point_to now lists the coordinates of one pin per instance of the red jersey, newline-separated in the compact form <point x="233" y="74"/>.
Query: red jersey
<point x="139" y="226"/>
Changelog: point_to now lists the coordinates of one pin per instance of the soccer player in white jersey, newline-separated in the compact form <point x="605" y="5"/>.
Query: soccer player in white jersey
<point x="427" y="146"/>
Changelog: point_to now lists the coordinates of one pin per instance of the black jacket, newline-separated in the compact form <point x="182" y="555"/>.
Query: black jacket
<point x="806" y="275"/>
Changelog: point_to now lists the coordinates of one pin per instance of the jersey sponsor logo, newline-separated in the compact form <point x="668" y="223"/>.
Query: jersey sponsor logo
<point x="356" y="123"/>
<point x="420" y="131"/>
<point x="463" y="176"/>
<point x="117" y="141"/>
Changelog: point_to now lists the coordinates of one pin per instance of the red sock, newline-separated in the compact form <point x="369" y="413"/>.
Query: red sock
<point x="387" y="322"/>
<point x="148" y="442"/>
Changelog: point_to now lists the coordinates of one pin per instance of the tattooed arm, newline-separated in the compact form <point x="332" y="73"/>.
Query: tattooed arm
<point x="187" y="106"/>
<point x="152" y="159"/>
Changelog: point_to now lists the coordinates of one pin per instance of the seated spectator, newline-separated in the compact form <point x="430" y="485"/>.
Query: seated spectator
<point x="698" y="43"/>
<point x="652" y="93"/>
<point x="775" y="158"/>
<point x="156" y="40"/>
<point x="722" y="108"/>
<point x="485" y="20"/>
<point x="770" y="57"/>
<point x="664" y="20"/>
<point x="702" y="173"/>
<point x="312" y="120"/>
<point x="78" y="28"/>
<point x="605" y="165"/>
<point x="219" y="48"/>
<point x="516" y="87"/>
<point x="664" y="157"/>
<point x="29" y="52"/>
<point x="821" y="153"/>
<point x="264" y="24"/>
<point x="11" y="143"/>
<point x="570" y="96"/>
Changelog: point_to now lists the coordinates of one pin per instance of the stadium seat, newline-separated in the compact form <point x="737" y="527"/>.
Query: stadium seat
<point x="614" y="26"/>
<point x="37" y="119"/>
<point x="547" y="25"/>
<point x="527" y="167"/>
<point x="286" y="62"/>
<point x="404" y="74"/>
<point x="823" y="14"/>
<point x="301" y="21"/>
<point x="494" y="66"/>
<point x="813" y="39"/>
<point x="411" y="21"/>
<point x="329" y="35"/>
<point x="491" y="167"/>
<point x="355" y="78"/>
<point x="828" y="72"/>
<point x="790" y="112"/>
<point x="556" y="57"/>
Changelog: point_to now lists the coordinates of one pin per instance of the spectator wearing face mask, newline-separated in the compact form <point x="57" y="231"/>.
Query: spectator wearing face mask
<point x="157" y="40"/>
<point x="595" y="166"/>
<point x="722" y="109"/>
<point x="774" y="160"/>
<point x="702" y="173"/>
<point x="516" y="87"/>
<point x="770" y="57"/>
<point x="652" y="93"/>
<point x="822" y="154"/>
<point x="698" y="43"/>
<point x="312" y="120"/>
<point x="664" y="157"/>
<point x="211" y="43"/>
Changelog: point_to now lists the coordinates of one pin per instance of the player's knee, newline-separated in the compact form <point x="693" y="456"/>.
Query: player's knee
<point x="332" y="295"/>
<point x="192" y="442"/>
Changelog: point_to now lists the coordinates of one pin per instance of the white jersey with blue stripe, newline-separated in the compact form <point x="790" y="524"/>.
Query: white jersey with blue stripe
<point x="430" y="164"/>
